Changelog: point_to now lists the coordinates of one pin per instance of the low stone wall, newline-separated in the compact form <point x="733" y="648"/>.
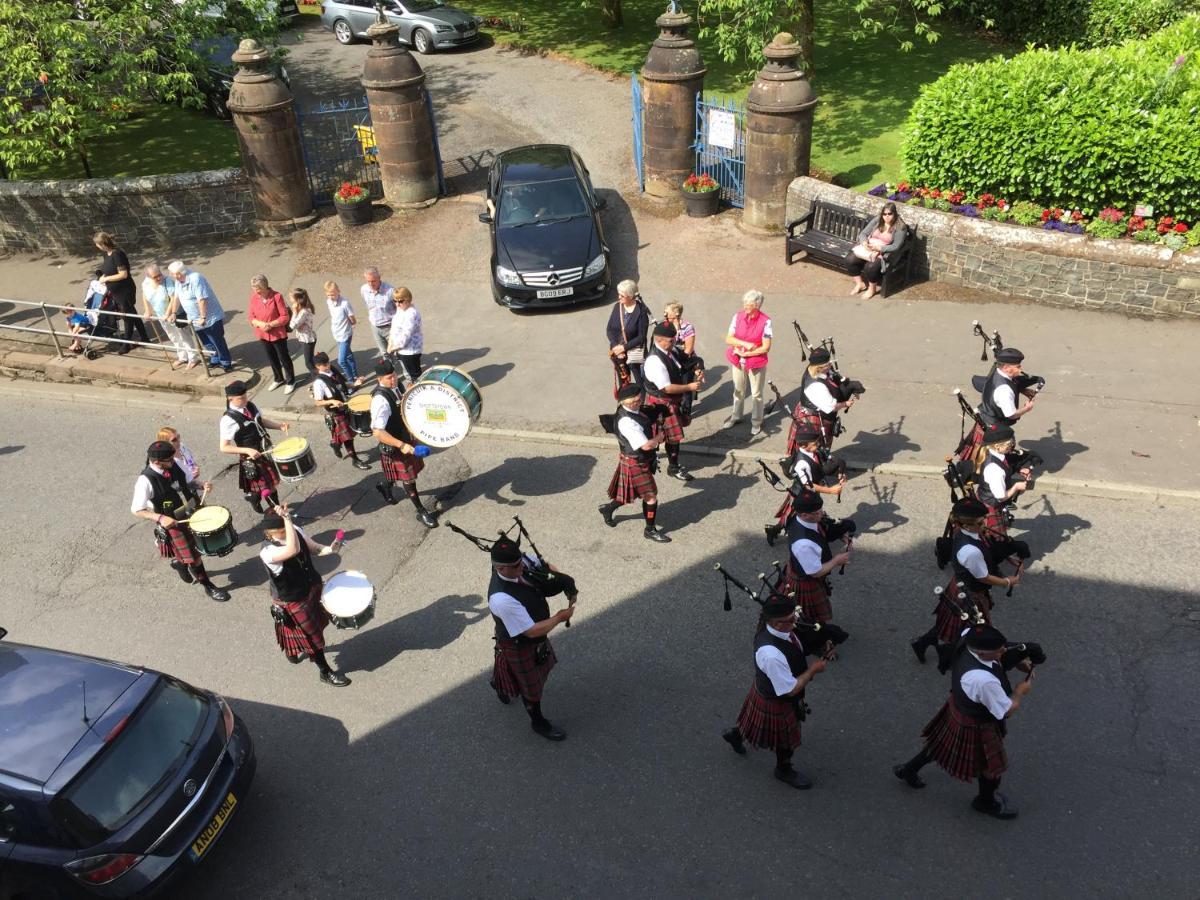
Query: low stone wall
<point x="1043" y="266"/>
<point x="157" y="210"/>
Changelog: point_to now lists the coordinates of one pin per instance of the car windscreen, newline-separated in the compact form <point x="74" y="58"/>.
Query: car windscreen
<point x="126" y="773"/>
<point x="543" y="201"/>
<point x="420" y="6"/>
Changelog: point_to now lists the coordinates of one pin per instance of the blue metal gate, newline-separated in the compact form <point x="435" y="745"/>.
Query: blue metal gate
<point x="339" y="145"/>
<point x="635" y="85"/>
<point x="726" y="160"/>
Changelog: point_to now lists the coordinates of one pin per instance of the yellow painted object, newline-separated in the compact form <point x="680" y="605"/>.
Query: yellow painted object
<point x="290" y="448"/>
<point x="366" y="137"/>
<point x="359" y="403"/>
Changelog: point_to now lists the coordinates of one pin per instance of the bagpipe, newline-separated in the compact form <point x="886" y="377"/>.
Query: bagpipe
<point x="842" y="388"/>
<point x="797" y="486"/>
<point x="540" y="574"/>
<point x="1023" y="383"/>
<point x="814" y="637"/>
<point x="1016" y="552"/>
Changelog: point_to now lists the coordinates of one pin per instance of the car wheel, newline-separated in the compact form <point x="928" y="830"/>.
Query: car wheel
<point x="343" y="32"/>
<point x="422" y="41"/>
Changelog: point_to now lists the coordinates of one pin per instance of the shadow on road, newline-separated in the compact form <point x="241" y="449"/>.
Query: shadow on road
<point x="430" y="628"/>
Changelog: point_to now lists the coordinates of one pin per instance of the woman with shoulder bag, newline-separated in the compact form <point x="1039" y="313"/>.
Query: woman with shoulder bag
<point x="868" y="260"/>
<point x="628" y="328"/>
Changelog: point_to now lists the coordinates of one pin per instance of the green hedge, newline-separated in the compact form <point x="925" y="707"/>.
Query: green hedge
<point x="1088" y="23"/>
<point x="1079" y="129"/>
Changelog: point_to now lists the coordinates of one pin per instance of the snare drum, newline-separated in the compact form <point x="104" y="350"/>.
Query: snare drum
<point x="349" y="599"/>
<point x="293" y="459"/>
<point x="359" y="409"/>
<point x="442" y="406"/>
<point x="212" y="527"/>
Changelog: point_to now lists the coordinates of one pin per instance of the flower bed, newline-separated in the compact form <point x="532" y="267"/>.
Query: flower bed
<point x="1109" y="223"/>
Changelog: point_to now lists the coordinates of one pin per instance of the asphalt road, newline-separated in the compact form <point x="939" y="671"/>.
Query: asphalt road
<point x="414" y="781"/>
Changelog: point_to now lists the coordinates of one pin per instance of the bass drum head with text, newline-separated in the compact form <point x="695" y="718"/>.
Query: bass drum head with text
<point x="441" y="407"/>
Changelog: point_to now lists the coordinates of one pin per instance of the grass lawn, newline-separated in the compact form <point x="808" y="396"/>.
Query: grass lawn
<point x="865" y="87"/>
<point x="160" y="139"/>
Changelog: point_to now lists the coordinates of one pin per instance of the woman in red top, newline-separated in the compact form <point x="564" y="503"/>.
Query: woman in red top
<point x="269" y="315"/>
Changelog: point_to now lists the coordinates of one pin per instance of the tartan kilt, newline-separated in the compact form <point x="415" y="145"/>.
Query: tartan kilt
<point x="964" y="747"/>
<point x="265" y="480"/>
<point x="948" y="623"/>
<point x="307" y="636"/>
<point x="339" y="427"/>
<point x="996" y="521"/>
<point x="785" y="509"/>
<point x="620" y="381"/>
<point x="672" y="423"/>
<point x="399" y="466"/>
<point x="769" y="723"/>
<point x="812" y="594"/>
<point x="180" y="545"/>
<point x="970" y="444"/>
<point x="632" y="481"/>
<point x="809" y="419"/>
<point x="516" y="671"/>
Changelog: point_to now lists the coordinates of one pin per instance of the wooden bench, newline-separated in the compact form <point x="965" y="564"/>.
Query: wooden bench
<point x="830" y="231"/>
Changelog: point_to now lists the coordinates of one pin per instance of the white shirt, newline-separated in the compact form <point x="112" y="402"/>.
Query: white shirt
<point x="380" y="307"/>
<point x="820" y="397"/>
<point x="302" y="327"/>
<point x="406" y="337"/>
<point x="142" y="491"/>
<point x="655" y="371"/>
<point x="774" y="664"/>
<point x="995" y="475"/>
<point x="984" y="687"/>
<point x="321" y="390"/>
<point x="1004" y="396"/>
<point x="632" y="432"/>
<point x="229" y="428"/>
<point x="971" y="558"/>
<point x="508" y="609"/>
<point x="380" y="413"/>
<point x="268" y="553"/>
<point x="804" y="467"/>
<point x="807" y="552"/>
<point x="733" y="327"/>
<point x="339" y="318"/>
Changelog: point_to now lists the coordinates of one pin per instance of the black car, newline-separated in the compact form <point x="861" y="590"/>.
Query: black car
<point x="548" y="244"/>
<point x="113" y="779"/>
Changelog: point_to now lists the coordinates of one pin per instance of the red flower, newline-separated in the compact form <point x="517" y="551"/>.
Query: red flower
<point x="986" y="200"/>
<point x="1076" y="216"/>
<point x="1180" y="228"/>
<point x="935" y="193"/>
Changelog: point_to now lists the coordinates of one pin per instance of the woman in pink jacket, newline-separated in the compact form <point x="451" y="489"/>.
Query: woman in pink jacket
<point x="269" y="315"/>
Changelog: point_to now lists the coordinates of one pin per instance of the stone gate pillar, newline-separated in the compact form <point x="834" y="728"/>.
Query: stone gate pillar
<point x="403" y="130"/>
<point x="269" y="141"/>
<point x="778" y="133"/>
<point x="673" y="75"/>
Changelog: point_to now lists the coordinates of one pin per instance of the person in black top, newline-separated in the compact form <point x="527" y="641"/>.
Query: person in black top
<point x="114" y="269"/>
<point x="330" y="391"/>
<point x="634" y="478"/>
<point x="627" y="331"/>
<point x="243" y="432"/>
<point x="400" y="456"/>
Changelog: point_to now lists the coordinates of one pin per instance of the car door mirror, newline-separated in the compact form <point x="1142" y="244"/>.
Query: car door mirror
<point x="485" y="218"/>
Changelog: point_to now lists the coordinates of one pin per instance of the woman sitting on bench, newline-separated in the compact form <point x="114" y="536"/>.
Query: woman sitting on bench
<point x="869" y="259"/>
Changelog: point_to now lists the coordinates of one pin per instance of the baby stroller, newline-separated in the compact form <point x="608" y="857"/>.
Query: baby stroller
<point x="98" y="301"/>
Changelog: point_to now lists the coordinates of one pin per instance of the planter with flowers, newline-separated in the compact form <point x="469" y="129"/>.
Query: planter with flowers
<point x="701" y="195"/>
<point x="353" y="204"/>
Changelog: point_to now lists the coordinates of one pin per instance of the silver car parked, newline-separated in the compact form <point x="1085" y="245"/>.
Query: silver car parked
<point x="425" y="25"/>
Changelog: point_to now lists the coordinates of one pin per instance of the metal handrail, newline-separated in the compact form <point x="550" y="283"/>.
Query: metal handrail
<point x="203" y="352"/>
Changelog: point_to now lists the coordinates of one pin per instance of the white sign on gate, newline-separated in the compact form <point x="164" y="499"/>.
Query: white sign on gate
<point x="722" y="129"/>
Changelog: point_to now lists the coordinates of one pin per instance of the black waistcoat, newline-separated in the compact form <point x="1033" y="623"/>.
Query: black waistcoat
<point x="169" y="493"/>
<point x="797" y="530"/>
<point x="791" y="652"/>
<point x="395" y="423"/>
<point x="964" y="664"/>
<point x="674" y="372"/>
<point x="627" y="448"/>
<point x="337" y="386"/>
<point x="250" y="431"/>
<point x="961" y="572"/>
<point x="527" y="595"/>
<point x="988" y="410"/>
<point x="297" y="576"/>
<point x="808" y="379"/>
<point x="981" y="488"/>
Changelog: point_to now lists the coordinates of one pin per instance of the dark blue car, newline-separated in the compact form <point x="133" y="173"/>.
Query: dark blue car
<point x="113" y="779"/>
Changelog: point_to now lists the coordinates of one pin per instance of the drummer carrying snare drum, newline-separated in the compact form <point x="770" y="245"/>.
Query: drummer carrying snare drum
<point x="163" y="495"/>
<point x="244" y="434"/>
<point x="300" y="619"/>
<point x="330" y="393"/>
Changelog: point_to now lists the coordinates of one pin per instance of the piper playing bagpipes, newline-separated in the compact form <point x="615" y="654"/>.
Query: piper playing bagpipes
<point x="812" y="468"/>
<point x="666" y="388"/>
<point x="1004" y="474"/>
<point x="810" y="557"/>
<point x="634" y="478"/>
<point x="1000" y="388"/>
<point x="824" y="392"/>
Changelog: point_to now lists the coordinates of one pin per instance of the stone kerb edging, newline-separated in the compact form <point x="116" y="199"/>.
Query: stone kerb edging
<point x="154" y="210"/>
<point x="1044" y="266"/>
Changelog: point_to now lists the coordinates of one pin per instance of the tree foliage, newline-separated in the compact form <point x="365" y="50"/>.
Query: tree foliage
<point x="71" y="70"/>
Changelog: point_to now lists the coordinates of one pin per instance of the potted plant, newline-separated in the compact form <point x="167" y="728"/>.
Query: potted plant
<point x="353" y="204"/>
<point x="701" y="195"/>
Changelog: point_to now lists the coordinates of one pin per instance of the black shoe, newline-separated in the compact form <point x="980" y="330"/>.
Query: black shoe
<point x="296" y="660"/>
<point x="607" y="511"/>
<point x="772" y="533"/>
<point x="124" y="349"/>
<point x="548" y="731"/>
<point x="912" y="779"/>
<point x="337" y="450"/>
<point x="360" y="464"/>
<point x="998" y="809"/>
<point x="228" y="369"/>
<point x="679" y="473"/>
<point x="182" y="571"/>
<point x="499" y="696"/>
<point x="428" y="519"/>
<point x="653" y="533"/>
<point x="945" y="653"/>
<point x="733" y="738"/>
<point x="919" y="646"/>
<point x="215" y="593"/>
<point x="792" y="777"/>
<point x="337" y="679"/>
<point x="388" y="496"/>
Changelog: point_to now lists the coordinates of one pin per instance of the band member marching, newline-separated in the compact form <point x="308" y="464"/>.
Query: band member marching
<point x="811" y="467"/>
<point x="400" y="458"/>
<point x="163" y="495"/>
<point x="244" y="434"/>
<point x="300" y="619"/>
<point x="999" y="404"/>
<point x="524" y="655"/>
<point x="999" y="480"/>
<point x="666" y="388"/>
<point x="818" y="407"/>
<point x="330" y="391"/>
<point x="966" y="737"/>
<point x="634" y="478"/>
<point x="774" y="707"/>
<point x="810" y="558"/>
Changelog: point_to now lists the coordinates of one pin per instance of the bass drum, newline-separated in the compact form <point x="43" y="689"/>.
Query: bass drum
<point x="441" y="407"/>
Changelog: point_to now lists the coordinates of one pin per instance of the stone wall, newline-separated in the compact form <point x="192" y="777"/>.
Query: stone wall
<point x="1032" y="264"/>
<point x="158" y="210"/>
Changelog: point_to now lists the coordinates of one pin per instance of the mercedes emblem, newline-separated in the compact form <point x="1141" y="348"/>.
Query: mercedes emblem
<point x="189" y="787"/>
<point x="553" y="279"/>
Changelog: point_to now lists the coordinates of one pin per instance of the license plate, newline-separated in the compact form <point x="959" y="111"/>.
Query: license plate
<point x="555" y="292"/>
<point x="213" y="828"/>
<point x="469" y="33"/>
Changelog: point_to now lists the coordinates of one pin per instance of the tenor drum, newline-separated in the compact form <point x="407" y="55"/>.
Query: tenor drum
<point x="294" y="459"/>
<point x="359" y="408"/>
<point x="349" y="599"/>
<point x="212" y="527"/>
<point x="442" y="406"/>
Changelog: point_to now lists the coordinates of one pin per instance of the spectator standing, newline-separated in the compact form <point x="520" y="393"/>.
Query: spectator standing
<point x="183" y="456"/>
<point x="158" y="303"/>
<point x="749" y="341"/>
<point x="405" y="339"/>
<point x="341" y="323"/>
<point x="685" y="348"/>
<point x="115" y="275"/>
<point x="377" y="295"/>
<point x="303" y="319"/>
<point x="200" y="305"/>
<point x="627" y="331"/>
<point x="269" y="316"/>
